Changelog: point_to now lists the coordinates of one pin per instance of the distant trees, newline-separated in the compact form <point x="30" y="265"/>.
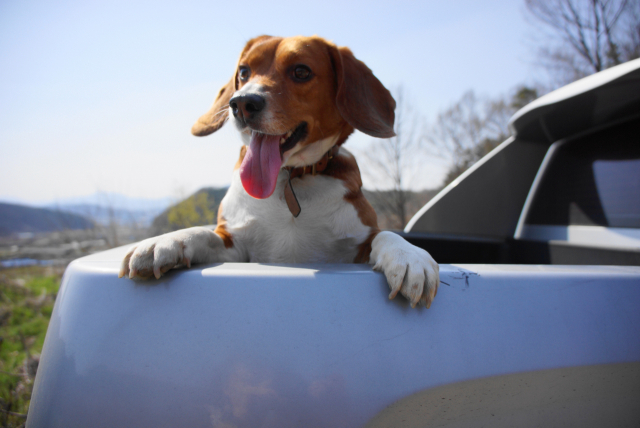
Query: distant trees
<point x="580" y="37"/>
<point x="585" y="36"/>
<point x="461" y="135"/>
<point x="392" y="163"/>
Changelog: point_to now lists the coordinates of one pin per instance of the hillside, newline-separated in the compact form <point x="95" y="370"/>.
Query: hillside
<point x="20" y="218"/>
<point x="199" y="209"/>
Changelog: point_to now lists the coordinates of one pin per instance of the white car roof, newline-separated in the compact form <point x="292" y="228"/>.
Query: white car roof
<point x="596" y="100"/>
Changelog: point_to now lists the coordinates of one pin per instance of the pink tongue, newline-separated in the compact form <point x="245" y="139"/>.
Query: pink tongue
<point x="261" y="165"/>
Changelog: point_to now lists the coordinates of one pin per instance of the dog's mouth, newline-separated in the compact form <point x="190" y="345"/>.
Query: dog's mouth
<point x="263" y="160"/>
<point x="289" y="140"/>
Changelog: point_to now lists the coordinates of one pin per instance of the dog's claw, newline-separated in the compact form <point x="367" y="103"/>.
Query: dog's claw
<point x="427" y="299"/>
<point x="133" y="273"/>
<point x="124" y="266"/>
<point x="409" y="270"/>
<point x="157" y="273"/>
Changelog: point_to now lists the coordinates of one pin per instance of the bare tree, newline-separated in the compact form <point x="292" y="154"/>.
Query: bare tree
<point x="461" y="135"/>
<point x="392" y="164"/>
<point x="586" y="36"/>
<point x="472" y="127"/>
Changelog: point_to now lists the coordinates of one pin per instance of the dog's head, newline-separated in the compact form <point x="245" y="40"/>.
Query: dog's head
<point x="293" y="99"/>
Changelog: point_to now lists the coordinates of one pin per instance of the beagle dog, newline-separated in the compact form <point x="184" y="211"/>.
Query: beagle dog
<point x="295" y="195"/>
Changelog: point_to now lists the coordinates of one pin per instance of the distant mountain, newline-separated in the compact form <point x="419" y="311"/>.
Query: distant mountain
<point x="115" y="201"/>
<point x="107" y="208"/>
<point x="105" y="216"/>
<point x="20" y="218"/>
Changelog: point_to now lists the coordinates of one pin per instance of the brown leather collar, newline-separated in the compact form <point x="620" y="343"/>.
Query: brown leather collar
<point x="314" y="169"/>
<point x="289" y="195"/>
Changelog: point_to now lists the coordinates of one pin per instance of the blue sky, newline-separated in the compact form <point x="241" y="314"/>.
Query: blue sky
<point x="100" y="96"/>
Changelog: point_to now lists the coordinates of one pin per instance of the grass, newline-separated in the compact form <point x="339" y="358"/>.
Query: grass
<point x="27" y="296"/>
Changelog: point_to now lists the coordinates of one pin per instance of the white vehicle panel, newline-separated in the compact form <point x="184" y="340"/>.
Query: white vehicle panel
<point x="292" y="345"/>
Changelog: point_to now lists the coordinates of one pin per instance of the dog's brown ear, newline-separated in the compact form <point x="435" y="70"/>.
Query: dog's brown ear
<point x="213" y="120"/>
<point x="361" y="99"/>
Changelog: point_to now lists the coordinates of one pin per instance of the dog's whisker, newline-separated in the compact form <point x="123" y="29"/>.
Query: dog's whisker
<point x="221" y="111"/>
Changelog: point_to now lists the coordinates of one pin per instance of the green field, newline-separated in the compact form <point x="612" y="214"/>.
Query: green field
<point x="26" y="302"/>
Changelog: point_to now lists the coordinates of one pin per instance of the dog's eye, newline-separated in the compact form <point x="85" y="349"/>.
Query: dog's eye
<point x="244" y="73"/>
<point x="301" y="73"/>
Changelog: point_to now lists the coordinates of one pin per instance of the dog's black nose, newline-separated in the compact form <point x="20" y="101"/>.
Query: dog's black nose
<point x="245" y="107"/>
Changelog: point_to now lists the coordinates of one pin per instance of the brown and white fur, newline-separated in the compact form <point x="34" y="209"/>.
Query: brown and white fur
<point x="306" y="95"/>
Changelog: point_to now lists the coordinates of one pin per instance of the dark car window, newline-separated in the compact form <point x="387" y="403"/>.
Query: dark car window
<point x="618" y="185"/>
<point x="592" y="181"/>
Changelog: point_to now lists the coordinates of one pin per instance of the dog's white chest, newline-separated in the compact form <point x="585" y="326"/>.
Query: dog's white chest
<point x="327" y="230"/>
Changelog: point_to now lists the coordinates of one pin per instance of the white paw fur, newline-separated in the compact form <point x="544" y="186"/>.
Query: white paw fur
<point x="155" y="256"/>
<point x="409" y="270"/>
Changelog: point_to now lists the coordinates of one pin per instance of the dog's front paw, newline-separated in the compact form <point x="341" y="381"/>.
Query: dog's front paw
<point x="155" y="256"/>
<point x="409" y="270"/>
